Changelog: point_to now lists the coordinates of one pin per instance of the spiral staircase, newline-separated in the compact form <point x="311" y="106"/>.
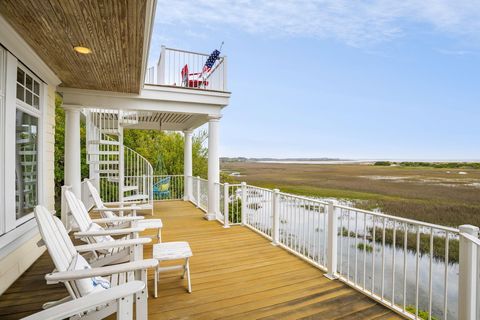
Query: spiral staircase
<point x="120" y="173"/>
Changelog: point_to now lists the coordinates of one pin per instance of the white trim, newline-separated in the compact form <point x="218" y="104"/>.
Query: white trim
<point x="3" y="72"/>
<point x="16" y="237"/>
<point x="147" y="36"/>
<point x="9" y="138"/>
<point x="19" y="47"/>
<point x="161" y="99"/>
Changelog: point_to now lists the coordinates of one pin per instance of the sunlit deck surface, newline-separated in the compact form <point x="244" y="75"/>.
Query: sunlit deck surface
<point x="236" y="274"/>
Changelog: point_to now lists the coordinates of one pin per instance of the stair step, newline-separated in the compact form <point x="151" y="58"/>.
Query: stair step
<point x="103" y="162"/>
<point x="129" y="122"/>
<point x="136" y="197"/>
<point x="110" y="131"/>
<point x="130" y="188"/>
<point x="104" y="153"/>
<point x="108" y="142"/>
<point x="107" y="171"/>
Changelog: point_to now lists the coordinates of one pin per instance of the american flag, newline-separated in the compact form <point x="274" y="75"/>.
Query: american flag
<point x="211" y="61"/>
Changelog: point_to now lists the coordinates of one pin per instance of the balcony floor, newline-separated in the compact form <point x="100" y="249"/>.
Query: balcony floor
<point x="236" y="274"/>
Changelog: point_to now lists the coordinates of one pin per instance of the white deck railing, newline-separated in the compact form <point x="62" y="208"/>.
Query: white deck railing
<point x="410" y="266"/>
<point x="168" y="71"/>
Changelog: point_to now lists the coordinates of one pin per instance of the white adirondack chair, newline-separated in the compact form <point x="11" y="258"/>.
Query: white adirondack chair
<point x="107" y="211"/>
<point x="93" y="233"/>
<point x="79" y="278"/>
<point x="120" y="297"/>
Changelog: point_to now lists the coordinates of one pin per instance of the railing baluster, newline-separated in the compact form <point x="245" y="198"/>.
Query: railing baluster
<point x="430" y="275"/>
<point x="445" y="290"/>
<point x="393" y="260"/>
<point x="417" y="272"/>
<point x="383" y="256"/>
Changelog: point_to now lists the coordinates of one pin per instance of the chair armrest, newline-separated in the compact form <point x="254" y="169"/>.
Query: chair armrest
<point x="108" y="232"/>
<point x="68" y="309"/>
<point x="130" y="208"/>
<point x="63" y="276"/>
<point x="118" y="203"/>
<point x="112" y="244"/>
<point x="118" y="219"/>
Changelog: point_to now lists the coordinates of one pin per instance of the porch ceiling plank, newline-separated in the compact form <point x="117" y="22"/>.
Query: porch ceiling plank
<point x="114" y="30"/>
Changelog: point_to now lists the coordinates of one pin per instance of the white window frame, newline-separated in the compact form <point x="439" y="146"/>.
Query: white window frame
<point x="3" y="71"/>
<point x="12" y="105"/>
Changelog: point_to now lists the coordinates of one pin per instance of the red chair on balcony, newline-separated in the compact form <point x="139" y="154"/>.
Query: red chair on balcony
<point x="193" y="80"/>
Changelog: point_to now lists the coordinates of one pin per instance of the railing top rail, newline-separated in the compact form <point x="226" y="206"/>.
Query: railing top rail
<point x="303" y="198"/>
<point x="471" y="238"/>
<point x="400" y="219"/>
<point x="191" y="52"/>
<point x="259" y="188"/>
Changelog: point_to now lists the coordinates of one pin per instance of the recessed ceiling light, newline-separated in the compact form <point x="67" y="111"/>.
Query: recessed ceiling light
<point x="82" y="50"/>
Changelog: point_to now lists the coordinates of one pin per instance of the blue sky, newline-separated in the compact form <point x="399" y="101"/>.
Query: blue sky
<point x="332" y="78"/>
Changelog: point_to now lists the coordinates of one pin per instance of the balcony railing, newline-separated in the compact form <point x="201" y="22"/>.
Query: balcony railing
<point x="180" y="68"/>
<point x="412" y="267"/>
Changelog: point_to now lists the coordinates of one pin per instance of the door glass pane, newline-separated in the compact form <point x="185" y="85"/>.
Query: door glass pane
<point x="28" y="97"/>
<point x="20" y="76"/>
<point x="20" y="92"/>
<point x="26" y="163"/>
<point x="29" y="83"/>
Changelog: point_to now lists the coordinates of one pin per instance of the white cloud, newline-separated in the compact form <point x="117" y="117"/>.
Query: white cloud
<point x="354" y="22"/>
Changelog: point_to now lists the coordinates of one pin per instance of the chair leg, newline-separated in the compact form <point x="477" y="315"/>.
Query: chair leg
<point x="141" y="303"/>
<point x="188" y="276"/>
<point x="156" y="282"/>
<point x="159" y="235"/>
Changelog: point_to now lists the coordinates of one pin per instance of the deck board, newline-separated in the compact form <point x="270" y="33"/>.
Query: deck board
<point x="236" y="274"/>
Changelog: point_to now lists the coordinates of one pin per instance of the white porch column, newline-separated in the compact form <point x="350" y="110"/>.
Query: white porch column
<point x="187" y="166"/>
<point x="213" y="167"/>
<point x="72" y="173"/>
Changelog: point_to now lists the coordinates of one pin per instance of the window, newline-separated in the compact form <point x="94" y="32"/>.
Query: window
<point x="27" y="130"/>
<point x="26" y="166"/>
<point x="28" y="89"/>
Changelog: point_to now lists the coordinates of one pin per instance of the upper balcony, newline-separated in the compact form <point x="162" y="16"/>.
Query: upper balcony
<point x="186" y="69"/>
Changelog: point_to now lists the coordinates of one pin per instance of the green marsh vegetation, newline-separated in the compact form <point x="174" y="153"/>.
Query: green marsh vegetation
<point x="446" y="196"/>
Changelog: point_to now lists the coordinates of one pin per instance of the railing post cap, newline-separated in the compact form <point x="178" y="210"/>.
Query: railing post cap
<point x="225" y="184"/>
<point x="276" y="190"/>
<point x="243" y="183"/>
<point x="468" y="228"/>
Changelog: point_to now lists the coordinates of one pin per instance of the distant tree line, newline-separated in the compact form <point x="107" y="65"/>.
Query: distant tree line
<point x="448" y="165"/>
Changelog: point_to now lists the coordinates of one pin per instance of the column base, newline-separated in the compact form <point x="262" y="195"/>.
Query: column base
<point x="210" y="216"/>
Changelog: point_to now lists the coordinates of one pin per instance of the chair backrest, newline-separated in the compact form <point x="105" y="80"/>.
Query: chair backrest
<point x="184" y="73"/>
<point x="78" y="210"/>
<point x="55" y="237"/>
<point x="162" y="184"/>
<point x="61" y="250"/>
<point x="96" y="197"/>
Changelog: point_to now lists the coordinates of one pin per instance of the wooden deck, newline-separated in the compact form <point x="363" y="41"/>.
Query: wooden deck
<point x="236" y="274"/>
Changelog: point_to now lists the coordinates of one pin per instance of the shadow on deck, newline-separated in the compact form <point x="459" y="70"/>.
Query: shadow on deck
<point x="236" y="274"/>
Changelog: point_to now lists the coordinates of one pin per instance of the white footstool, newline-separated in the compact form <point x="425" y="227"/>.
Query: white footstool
<point x="167" y="251"/>
<point x="152" y="224"/>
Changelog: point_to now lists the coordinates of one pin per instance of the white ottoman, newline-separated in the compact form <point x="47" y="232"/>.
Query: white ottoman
<point x="152" y="224"/>
<point x="168" y="251"/>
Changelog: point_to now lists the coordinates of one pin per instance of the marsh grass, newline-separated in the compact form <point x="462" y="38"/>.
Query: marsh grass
<point x="434" y="195"/>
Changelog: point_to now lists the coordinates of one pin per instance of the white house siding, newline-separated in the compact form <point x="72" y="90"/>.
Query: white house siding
<point x="49" y="149"/>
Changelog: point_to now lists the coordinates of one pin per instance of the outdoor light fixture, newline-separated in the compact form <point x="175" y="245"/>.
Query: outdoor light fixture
<point x="82" y="50"/>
